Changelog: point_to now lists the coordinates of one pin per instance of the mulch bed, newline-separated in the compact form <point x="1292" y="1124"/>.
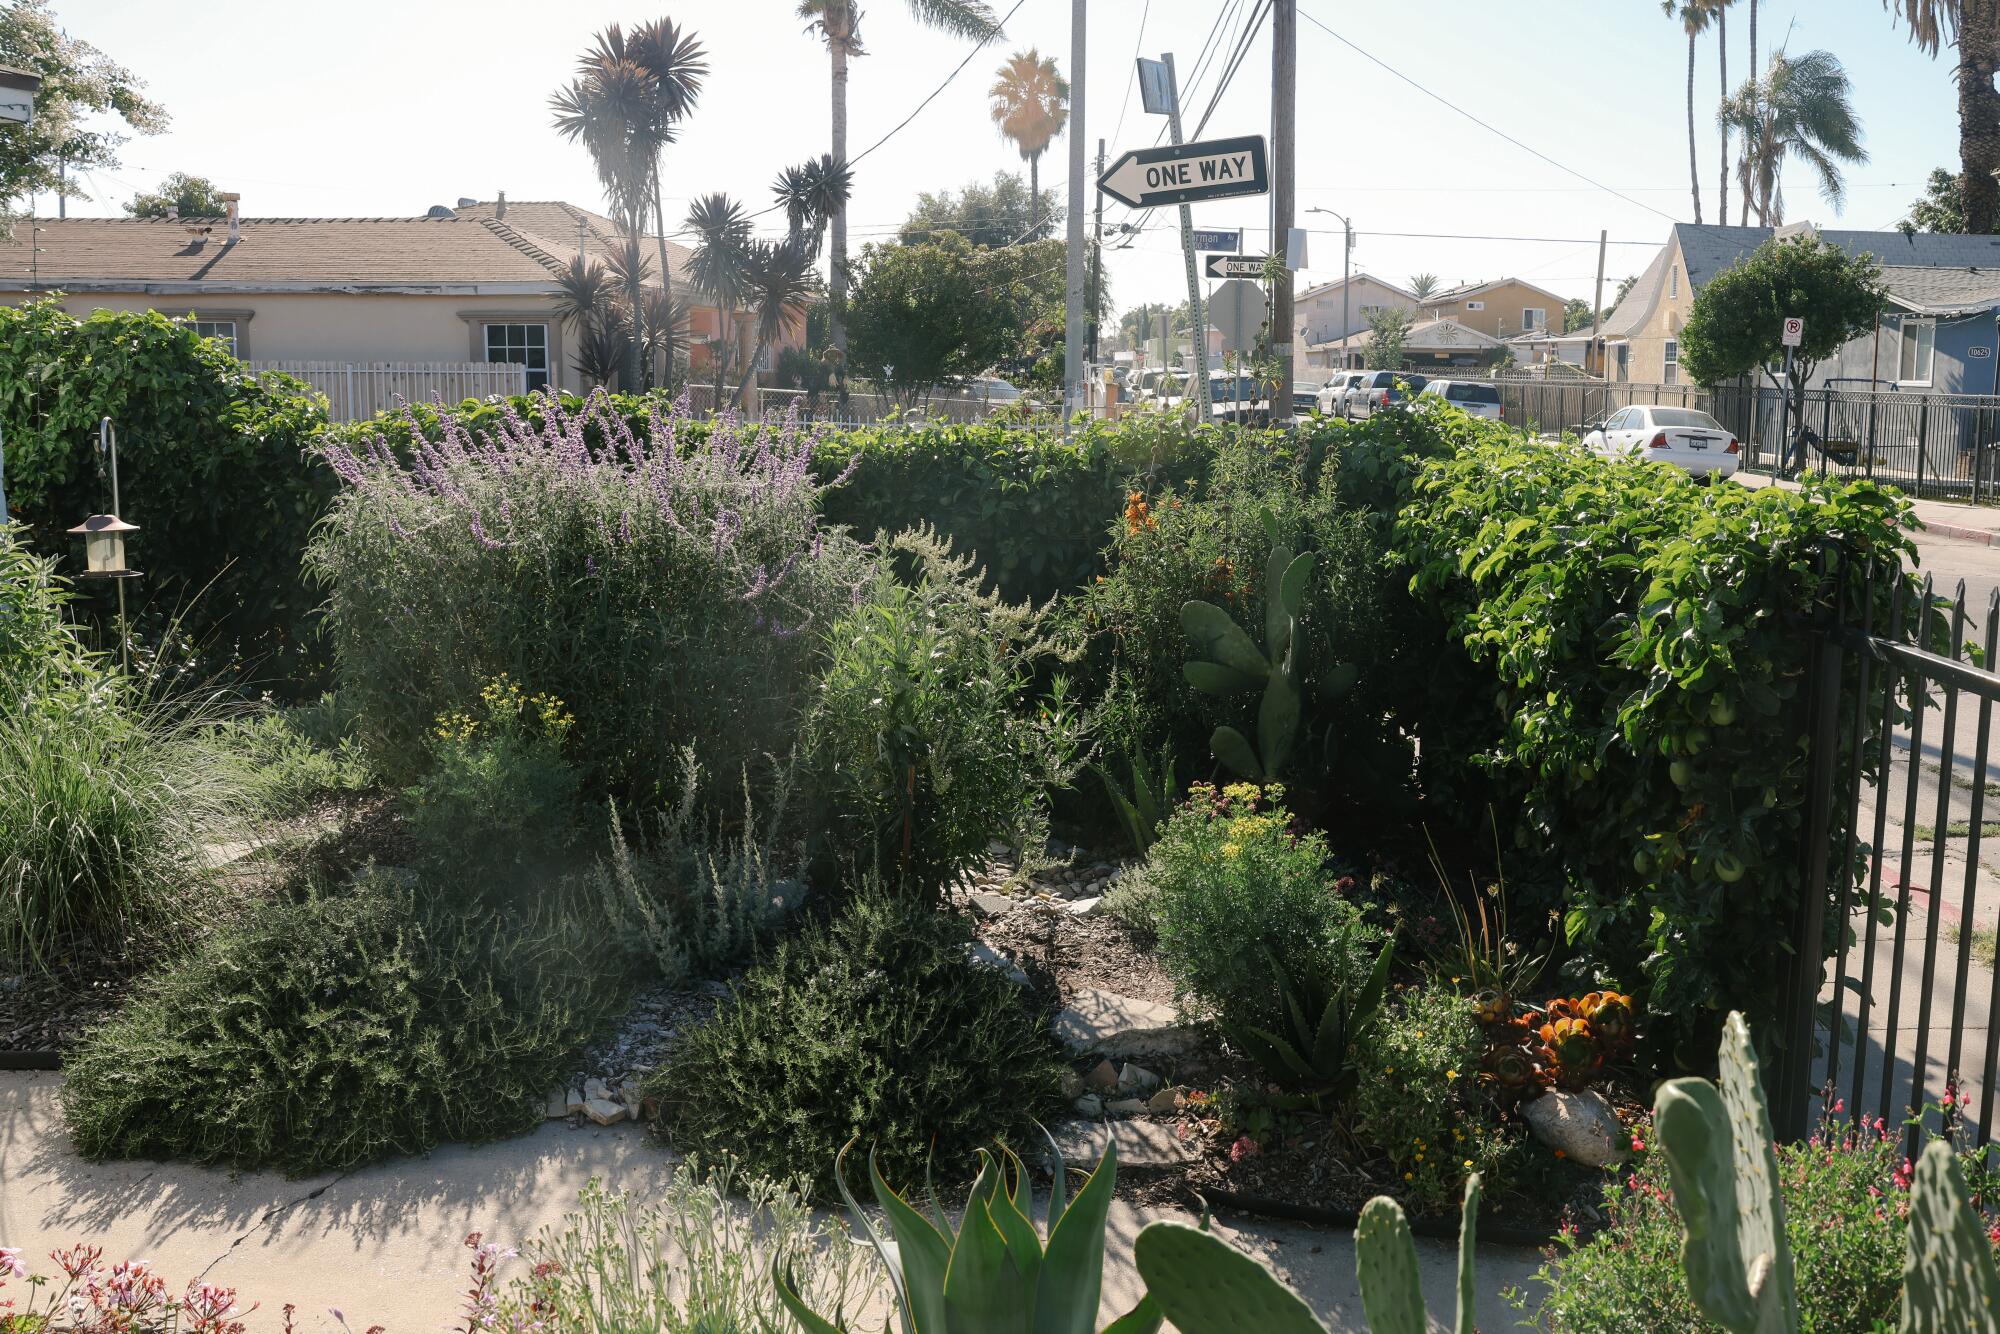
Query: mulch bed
<point x="47" y="1011"/>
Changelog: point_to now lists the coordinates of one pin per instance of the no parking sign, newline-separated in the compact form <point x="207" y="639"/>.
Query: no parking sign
<point x="1795" y="331"/>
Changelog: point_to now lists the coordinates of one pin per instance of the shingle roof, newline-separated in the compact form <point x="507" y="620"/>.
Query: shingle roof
<point x="1468" y="289"/>
<point x="1423" y="336"/>
<point x="550" y="226"/>
<point x="1352" y="279"/>
<point x="1943" y="291"/>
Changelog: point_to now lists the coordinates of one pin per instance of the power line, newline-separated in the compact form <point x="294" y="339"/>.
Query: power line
<point x="976" y="49"/>
<point x="1132" y="78"/>
<point x="1250" y="28"/>
<point x="1484" y="125"/>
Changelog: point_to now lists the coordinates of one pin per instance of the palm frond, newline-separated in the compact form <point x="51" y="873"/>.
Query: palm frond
<point x="961" y="18"/>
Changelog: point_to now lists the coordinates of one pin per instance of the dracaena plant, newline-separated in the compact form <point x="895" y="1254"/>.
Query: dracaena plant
<point x="996" y="1270"/>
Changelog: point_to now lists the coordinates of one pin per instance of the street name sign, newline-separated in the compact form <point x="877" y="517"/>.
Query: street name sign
<point x="1188" y="173"/>
<point x="1794" y="331"/>
<point x="1212" y="238"/>
<point x="1235" y="266"/>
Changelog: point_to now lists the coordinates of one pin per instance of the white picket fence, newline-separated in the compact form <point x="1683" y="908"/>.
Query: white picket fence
<point x="359" y="389"/>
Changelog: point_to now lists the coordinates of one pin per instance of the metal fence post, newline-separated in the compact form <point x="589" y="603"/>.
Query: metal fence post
<point x="1923" y="441"/>
<point x="1825" y="425"/>
<point x="1874" y="403"/>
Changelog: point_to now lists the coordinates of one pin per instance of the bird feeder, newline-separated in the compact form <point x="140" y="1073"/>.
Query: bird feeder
<point x="104" y="546"/>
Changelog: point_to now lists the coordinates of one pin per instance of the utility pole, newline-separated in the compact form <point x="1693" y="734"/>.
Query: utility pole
<point x="1097" y="259"/>
<point x="1073" y="388"/>
<point x="1197" y="316"/>
<point x="1284" y="94"/>
<point x="1596" y="309"/>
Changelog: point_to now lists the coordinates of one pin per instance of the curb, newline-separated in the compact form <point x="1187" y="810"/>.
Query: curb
<point x="30" y="1060"/>
<point x="1985" y="537"/>
<point x="1438" y="1229"/>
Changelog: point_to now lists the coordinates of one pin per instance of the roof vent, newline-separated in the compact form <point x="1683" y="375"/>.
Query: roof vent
<point x="230" y="204"/>
<point x="439" y="211"/>
<point x="466" y="201"/>
<point x="499" y="205"/>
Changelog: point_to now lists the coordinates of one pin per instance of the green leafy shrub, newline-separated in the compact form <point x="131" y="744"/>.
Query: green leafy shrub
<point x="1846" y="1204"/>
<point x="874" y="1024"/>
<point x="926" y="732"/>
<point x="299" y="755"/>
<point x="40" y="652"/>
<point x="499" y="801"/>
<point x="697" y="1256"/>
<point x="672" y="592"/>
<point x="1251" y="929"/>
<point x="1639" y="641"/>
<point x="214" y="466"/>
<point x="321" y="1035"/>
<point x="689" y="897"/>
<point x="1418" y="1103"/>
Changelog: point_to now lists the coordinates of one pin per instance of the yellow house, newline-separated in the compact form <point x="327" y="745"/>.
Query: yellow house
<point x="448" y="302"/>
<point x="1499" y="309"/>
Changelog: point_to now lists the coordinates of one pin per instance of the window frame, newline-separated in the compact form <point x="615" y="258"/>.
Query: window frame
<point x="1475" y="305"/>
<point x="1674" y="282"/>
<point x="1918" y="325"/>
<point x="527" y="348"/>
<point x="1534" y="317"/>
<point x="1670" y="361"/>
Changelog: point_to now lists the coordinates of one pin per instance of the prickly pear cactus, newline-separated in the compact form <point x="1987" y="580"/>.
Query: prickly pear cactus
<point x="1385" y="1262"/>
<point x="1725" y="1176"/>
<point x="1205" y="1286"/>
<point x="1949" y="1282"/>
<point x="1231" y="664"/>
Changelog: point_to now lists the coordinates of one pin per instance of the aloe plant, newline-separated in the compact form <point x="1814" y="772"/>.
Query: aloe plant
<point x="1154" y="792"/>
<point x="996" y="1271"/>
<point x="1230" y="664"/>
<point x="1324" y="1024"/>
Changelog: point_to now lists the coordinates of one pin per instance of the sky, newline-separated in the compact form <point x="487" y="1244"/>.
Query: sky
<point x="386" y="107"/>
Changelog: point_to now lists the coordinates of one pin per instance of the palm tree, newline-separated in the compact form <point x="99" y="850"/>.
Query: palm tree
<point x="1977" y="24"/>
<point x="1743" y="215"/>
<point x="721" y="266"/>
<point x="1801" y="108"/>
<point x="1030" y="104"/>
<point x="677" y="65"/>
<point x="1720" y="10"/>
<point x="1422" y="285"/>
<point x="590" y="303"/>
<point x="838" y="22"/>
<point x="625" y="106"/>
<point x="812" y="194"/>
<point x="1693" y="15"/>
<point x="780" y="281"/>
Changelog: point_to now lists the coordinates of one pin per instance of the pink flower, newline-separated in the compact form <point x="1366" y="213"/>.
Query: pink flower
<point x="11" y="1263"/>
<point x="1244" y="1147"/>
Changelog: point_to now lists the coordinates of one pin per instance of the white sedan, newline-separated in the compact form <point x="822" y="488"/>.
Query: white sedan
<point x="1692" y="441"/>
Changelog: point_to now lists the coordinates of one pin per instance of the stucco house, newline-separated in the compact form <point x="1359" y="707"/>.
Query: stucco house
<point x="1498" y="309"/>
<point x="474" y="283"/>
<point x="1938" y="335"/>
<point x="1316" y="312"/>
<point x="1430" y="345"/>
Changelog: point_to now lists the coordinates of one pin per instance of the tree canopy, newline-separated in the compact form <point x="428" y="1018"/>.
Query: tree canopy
<point x="1737" y="323"/>
<point x="80" y="85"/>
<point x="1576" y="314"/>
<point x="179" y="195"/>
<point x="993" y="215"/>
<point x="1941" y="208"/>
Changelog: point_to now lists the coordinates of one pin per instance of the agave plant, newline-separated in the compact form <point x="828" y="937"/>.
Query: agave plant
<point x="996" y="1271"/>
<point x="1313" y="1054"/>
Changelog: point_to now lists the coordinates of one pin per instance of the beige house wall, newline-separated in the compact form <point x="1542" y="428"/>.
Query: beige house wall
<point x="1319" y="312"/>
<point x="1501" y="306"/>
<point x="1646" y="355"/>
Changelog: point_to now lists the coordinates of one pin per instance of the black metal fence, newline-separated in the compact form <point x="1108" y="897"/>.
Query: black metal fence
<point x="1940" y="446"/>
<point x="1903" y="824"/>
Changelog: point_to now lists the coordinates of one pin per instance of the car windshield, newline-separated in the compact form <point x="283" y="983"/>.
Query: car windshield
<point x="1241" y="388"/>
<point x="1000" y="389"/>
<point x="1472" y="393"/>
<point x="1684" y="417"/>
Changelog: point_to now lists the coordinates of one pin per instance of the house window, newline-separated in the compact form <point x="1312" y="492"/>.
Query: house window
<point x="223" y="329"/>
<point x="1624" y="361"/>
<point x="1475" y="305"/>
<point x="523" y="344"/>
<point x="1674" y="281"/>
<point x="1673" y="363"/>
<point x="1534" y="317"/>
<point x="1919" y="347"/>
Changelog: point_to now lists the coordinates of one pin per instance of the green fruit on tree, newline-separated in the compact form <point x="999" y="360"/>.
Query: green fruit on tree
<point x="1728" y="868"/>
<point x="1722" y="710"/>
<point x="1642" y="861"/>
<point x="1681" y="772"/>
<point x="1696" y="740"/>
<point x="1770" y="798"/>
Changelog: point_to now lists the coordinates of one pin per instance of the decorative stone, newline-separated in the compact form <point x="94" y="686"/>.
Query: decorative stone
<point x="996" y="847"/>
<point x="1084" y="907"/>
<point x="1137" y="1078"/>
<point x="1582" y="1125"/>
<point x="1103" y="1075"/>
<point x="985" y="956"/>
<point x="1164" y="1103"/>
<point x="1072" y="1083"/>
<point x="573" y="1102"/>
<point x="604" y="1111"/>
<point x="596" y="1090"/>
<point x="1118" y="1026"/>
<point x="1089" y="1105"/>
<point x="556" y="1105"/>
<point x="1126" y="1107"/>
<point x="990" y="905"/>
<point x="1141" y="1144"/>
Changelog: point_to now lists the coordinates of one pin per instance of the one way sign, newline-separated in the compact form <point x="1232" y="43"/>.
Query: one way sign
<point x="1189" y="173"/>
<point x="1235" y="266"/>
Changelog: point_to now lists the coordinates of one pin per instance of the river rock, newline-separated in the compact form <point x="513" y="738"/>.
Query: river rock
<point x="1582" y="1125"/>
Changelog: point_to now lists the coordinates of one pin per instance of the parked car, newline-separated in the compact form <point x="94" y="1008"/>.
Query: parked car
<point x="1476" y="397"/>
<point x="1692" y="441"/>
<point x="1376" y="390"/>
<point x="1239" y="398"/>
<point x="1305" y="396"/>
<point x="1334" y="392"/>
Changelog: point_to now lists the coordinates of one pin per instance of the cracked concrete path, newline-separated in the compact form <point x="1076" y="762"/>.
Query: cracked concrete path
<point x="385" y="1243"/>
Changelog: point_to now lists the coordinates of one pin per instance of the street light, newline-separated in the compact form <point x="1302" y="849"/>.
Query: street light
<point x="1346" y="267"/>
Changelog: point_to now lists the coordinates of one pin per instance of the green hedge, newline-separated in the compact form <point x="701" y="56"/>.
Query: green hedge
<point x="1640" y="643"/>
<point x="213" y="466"/>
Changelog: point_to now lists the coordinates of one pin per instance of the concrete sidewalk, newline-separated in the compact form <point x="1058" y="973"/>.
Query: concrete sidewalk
<point x="385" y="1243"/>
<point x="1941" y="518"/>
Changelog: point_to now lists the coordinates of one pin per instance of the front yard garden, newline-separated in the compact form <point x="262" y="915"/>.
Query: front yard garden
<point x="1298" y="817"/>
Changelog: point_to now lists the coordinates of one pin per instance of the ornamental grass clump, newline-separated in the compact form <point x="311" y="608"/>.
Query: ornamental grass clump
<point x="673" y="587"/>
